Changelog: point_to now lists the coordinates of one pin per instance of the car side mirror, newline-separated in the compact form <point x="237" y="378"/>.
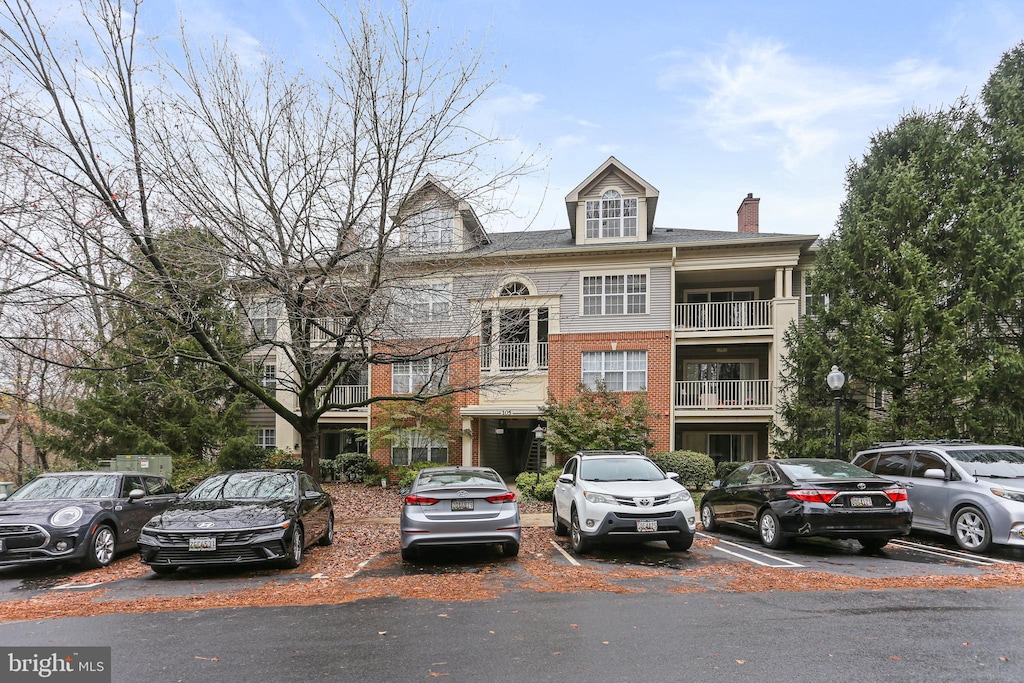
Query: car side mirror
<point x="136" y="494"/>
<point x="716" y="483"/>
<point x="935" y="473"/>
<point x="310" y="495"/>
<point x="3" y="496"/>
<point x="566" y="478"/>
<point x="672" y="475"/>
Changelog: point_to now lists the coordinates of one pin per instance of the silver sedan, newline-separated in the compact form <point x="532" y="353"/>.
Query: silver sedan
<point x="452" y="506"/>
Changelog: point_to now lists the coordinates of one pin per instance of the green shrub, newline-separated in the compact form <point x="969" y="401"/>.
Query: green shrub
<point x="544" y="489"/>
<point x="241" y="453"/>
<point x="695" y="469"/>
<point x="726" y="468"/>
<point x="407" y="473"/>
<point x="357" y="467"/>
<point x="285" y="462"/>
<point x="188" y="472"/>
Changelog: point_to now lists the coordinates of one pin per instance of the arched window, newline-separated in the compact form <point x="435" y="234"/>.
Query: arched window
<point x="514" y="289"/>
<point x="611" y="216"/>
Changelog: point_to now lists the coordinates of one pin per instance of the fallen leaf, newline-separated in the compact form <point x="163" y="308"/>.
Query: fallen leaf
<point x="208" y="659"/>
<point x="382" y="633"/>
<point x="443" y="616"/>
<point x="967" y="644"/>
<point x="435" y="674"/>
<point x="1004" y="659"/>
<point x="741" y="661"/>
<point x="896" y="657"/>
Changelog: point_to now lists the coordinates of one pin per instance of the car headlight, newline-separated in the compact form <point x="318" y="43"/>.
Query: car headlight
<point x="1009" y="495"/>
<point x="66" y="516"/>
<point x="594" y="497"/>
<point x="153" y="524"/>
<point x="679" y="497"/>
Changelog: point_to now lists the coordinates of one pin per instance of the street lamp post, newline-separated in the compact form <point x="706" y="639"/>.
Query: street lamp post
<point x="836" y="380"/>
<point x="538" y="434"/>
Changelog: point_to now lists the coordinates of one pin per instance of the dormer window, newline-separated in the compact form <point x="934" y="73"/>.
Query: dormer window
<point x="431" y="228"/>
<point x="611" y="216"/>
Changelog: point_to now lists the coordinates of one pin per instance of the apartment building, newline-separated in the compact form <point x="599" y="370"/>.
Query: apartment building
<point x="694" y="317"/>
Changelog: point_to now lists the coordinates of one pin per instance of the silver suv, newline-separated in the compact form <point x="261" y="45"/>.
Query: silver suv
<point x="973" y="492"/>
<point x="621" y="495"/>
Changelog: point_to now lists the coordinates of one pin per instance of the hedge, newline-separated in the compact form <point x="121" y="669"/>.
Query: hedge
<point x="695" y="470"/>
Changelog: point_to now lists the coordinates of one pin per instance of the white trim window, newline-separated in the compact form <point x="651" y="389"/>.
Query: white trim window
<point x="611" y="216"/>
<point x="263" y="316"/>
<point x="615" y="294"/>
<point x="268" y="376"/>
<point x="434" y="227"/>
<point x="266" y="438"/>
<point x="619" y="370"/>
<point x="409" y="377"/>
<point x="418" y="447"/>
<point x="813" y="301"/>
<point x="430" y="303"/>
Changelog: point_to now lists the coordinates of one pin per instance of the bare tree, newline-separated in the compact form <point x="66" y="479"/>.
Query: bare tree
<point x="163" y="185"/>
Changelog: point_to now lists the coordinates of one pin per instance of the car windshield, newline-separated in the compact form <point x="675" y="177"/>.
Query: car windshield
<point x="991" y="462"/>
<point x="458" y="478"/>
<point x="821" y="469"/>
<point x="246" y="486"/>
<point x="620" y="469"/>
<point x="55" y="486"/>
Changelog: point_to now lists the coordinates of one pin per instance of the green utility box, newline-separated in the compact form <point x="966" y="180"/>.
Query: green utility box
<point x="151" y="464"/>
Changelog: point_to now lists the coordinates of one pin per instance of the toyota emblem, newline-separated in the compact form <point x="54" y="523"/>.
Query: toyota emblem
<point x="644" y="502"/>
<point x="862" y="486"/>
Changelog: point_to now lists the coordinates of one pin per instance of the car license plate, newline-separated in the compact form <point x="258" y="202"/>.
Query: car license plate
<point x="646" y="525"/>
<point x="462" y="504"/>
<point x="860" y="501"/>
<point x="202" y="543"/>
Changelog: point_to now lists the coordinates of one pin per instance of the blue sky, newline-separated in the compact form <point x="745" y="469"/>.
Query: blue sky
<point x="707" y="101"/>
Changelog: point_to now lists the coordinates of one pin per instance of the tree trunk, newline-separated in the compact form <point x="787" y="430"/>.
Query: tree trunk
<point x="310" y="442"/>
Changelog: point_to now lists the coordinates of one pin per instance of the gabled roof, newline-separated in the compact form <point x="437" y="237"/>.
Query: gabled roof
<point x="649" y="191"/>
<point x="469" y="217"/>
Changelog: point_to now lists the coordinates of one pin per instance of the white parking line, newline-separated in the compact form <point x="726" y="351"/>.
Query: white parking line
<point x="569" y="557"/>
<point x="779" y="562"/>
<point x="948" y="554"/>
<point x="70" y="586"/>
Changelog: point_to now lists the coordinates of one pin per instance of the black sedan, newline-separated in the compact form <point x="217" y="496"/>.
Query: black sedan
<point x="240" y="517"/>
<point x="83" y="516"/>
<point x="785" y="499"/>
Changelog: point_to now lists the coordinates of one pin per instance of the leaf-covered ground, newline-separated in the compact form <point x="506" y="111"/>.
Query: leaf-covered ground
<point x="364" y="563"/>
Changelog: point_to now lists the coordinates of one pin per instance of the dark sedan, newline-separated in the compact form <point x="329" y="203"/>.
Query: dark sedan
<point x="785" y="499"/>
<point x="83" y="516"/>
<point x="240" y="517"/>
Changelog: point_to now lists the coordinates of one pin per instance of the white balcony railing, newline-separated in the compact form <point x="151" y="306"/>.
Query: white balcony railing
<point x="347" y="394"/>
<point x="724" y="315"/>
<point x="726" y="394"/>
<point x="326" y="329"/>
<point x="513" y="356"/>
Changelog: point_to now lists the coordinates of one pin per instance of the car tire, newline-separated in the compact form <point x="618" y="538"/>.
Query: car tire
<point x="680" y="543"/>
<point x="873" y="544"/>
<point x="971" y="529"/>
<point x="294" y="559"/>
<point x="328" y="537"/>
<point x="102" y="545"/>
<point x="770" y="531"/>
<point x="410" y="554"/>
<point x="707" y="518"/>
<point x="163" y="569"/>
<point x="510" y="549"/>
<point x="577" y="540"/>
<point x="560" y="528"/>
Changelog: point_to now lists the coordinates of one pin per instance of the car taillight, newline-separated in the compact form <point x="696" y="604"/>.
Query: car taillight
<point x="506" y="497"/>
<point x="419" y="500"/>
<point x="813" y="495"/>
<point x="897" y="494"/>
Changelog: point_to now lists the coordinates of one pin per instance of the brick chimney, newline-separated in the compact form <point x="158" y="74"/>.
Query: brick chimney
<point x="746" y="215"/>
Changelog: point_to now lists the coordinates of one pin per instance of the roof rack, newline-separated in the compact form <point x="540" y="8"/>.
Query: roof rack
<point x="921" y="442"/>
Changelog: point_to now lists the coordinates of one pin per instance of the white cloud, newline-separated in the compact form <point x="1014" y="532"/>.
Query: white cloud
<point x="757" y="93"/>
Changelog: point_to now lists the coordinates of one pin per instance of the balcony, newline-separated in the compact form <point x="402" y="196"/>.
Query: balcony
<point x="514" y="357"/>
<point x="738" y="394"/>
<point x="724" y="315"/>
<point x="347" y="394"/>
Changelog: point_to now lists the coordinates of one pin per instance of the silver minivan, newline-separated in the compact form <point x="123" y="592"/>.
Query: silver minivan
<point x="972" y="492"/>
